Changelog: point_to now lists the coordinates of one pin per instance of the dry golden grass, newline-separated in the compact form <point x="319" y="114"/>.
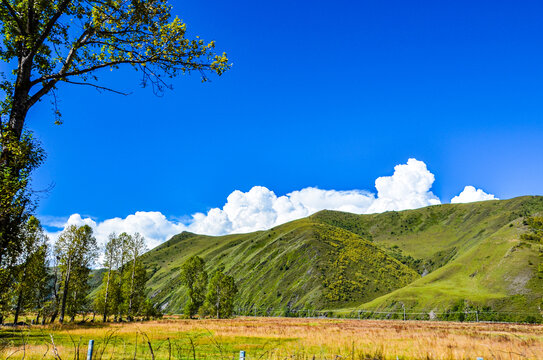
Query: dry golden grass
<point x="280" y="338"/>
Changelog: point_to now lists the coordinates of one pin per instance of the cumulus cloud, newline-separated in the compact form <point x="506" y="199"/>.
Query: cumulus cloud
<point x="409" y="187"/>
<point x="260" y="209"/>
<point x="471" y="194"/>
<point x="153" y="225"/>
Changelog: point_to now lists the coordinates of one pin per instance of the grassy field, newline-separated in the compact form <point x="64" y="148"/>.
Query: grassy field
<point x="276" y="338"/>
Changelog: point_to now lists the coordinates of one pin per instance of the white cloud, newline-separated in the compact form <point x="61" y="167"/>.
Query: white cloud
<point x="470" y="194"/>
<point x="408" y="188"/>
<point x="260" y="208"/>
<point x="154" y="226"/>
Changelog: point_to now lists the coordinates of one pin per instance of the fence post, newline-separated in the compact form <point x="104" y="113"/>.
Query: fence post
<point x="242" y="355"/>
<point x="477" y="315"/>
<point x="89" y="351"/>
<point x="403" y="306"/>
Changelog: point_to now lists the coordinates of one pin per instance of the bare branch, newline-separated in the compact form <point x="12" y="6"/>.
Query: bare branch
<point x="97" y="87"/>
<point x="119" y="62"/>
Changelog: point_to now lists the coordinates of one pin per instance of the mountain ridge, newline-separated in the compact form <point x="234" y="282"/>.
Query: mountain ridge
<point x="427" y="259"/>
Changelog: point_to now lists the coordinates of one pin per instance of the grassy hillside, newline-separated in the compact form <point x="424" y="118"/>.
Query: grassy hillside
<point x="469" y="253"/>
<point x="433" y="258"/>
<point x="301" y="264"/>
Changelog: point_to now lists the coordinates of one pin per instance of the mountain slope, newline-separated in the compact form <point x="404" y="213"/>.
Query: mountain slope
<point x="301" y="264"/>
<point x="472" y="253"/>
<point x="427" y="259"/>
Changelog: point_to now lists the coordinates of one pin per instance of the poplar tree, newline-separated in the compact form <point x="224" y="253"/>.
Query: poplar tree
<point x="194" y="277"/>
<point x="31" y="272"/>
<point x="119" y="291"/>
<point x="76" y="250"/>
<point x="137" y="275"/>
<point x="220" y="296"/>
<point x="123" y="285"/>
<point x="111" y="253"/>
<point x="16" y="204"/>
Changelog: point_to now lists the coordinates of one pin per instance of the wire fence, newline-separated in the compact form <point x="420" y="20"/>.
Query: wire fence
<point x="468" y="315"/>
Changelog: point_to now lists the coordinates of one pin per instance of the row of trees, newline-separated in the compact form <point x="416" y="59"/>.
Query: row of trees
<point x="48" y="282"/>
<point x="53" y="282"/>
<point x="208" y="298"/>
<point x="123" y="285"/>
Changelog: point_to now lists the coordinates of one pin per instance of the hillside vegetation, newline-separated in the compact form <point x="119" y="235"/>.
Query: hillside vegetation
<point x="453" y="256"/>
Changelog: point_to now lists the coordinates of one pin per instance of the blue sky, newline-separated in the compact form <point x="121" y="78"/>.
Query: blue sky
<point x="321" y="94"/>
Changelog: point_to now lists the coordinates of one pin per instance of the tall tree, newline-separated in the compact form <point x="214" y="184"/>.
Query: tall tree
<point x="111" y="254"/>
<point x="31" y="276"/>
<point x="194" y="277"/>
<point x="220" y="295"/>
<point x="76" y="250"/>
<point x="138" y="275"/>
<point x="52" y="307"/>
<point x="16" y="202"/>
<point x="77" y="300"/>
<point x="119" y="292"/>
<point x="123" y="285"/>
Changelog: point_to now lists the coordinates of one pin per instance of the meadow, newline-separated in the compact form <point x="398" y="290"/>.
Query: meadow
<point x="275" y="339"/>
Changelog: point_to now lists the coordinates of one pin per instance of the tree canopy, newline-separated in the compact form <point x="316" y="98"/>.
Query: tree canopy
<point x="67" y="41"/>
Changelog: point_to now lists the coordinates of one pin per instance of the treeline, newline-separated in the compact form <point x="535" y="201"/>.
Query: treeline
<point x="122" y="294"/>
<point x="51" y="283"/>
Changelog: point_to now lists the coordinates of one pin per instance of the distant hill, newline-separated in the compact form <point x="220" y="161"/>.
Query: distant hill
<point x="432" y="258"/>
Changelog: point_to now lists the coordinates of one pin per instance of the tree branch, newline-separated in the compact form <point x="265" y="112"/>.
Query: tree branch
<point x="97" y="87"/>
<point x="14" y="16"/>
<point x="67" y="63"/>
<point x="59" y="75"/>
<point x="29" y="23"/>
<point x="50" y="25"/>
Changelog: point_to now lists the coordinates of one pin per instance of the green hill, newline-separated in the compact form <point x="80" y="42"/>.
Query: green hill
<point x="433" y="258"/>
<point x="302" y="264"/>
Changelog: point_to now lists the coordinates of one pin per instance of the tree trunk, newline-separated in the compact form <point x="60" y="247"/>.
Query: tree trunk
<point x="20" y="103"/>
<point x="18" y="307"/>
<point x="131" y="295"/>
<point x="74" y="309"/>
<point x="54" y="316"/>
<point x="55" y="295"/>
<point x="65" y="292"/>
<point x="218" y="302"/>
<point x="9" y="224"/>
<point x="105" y="297"/>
